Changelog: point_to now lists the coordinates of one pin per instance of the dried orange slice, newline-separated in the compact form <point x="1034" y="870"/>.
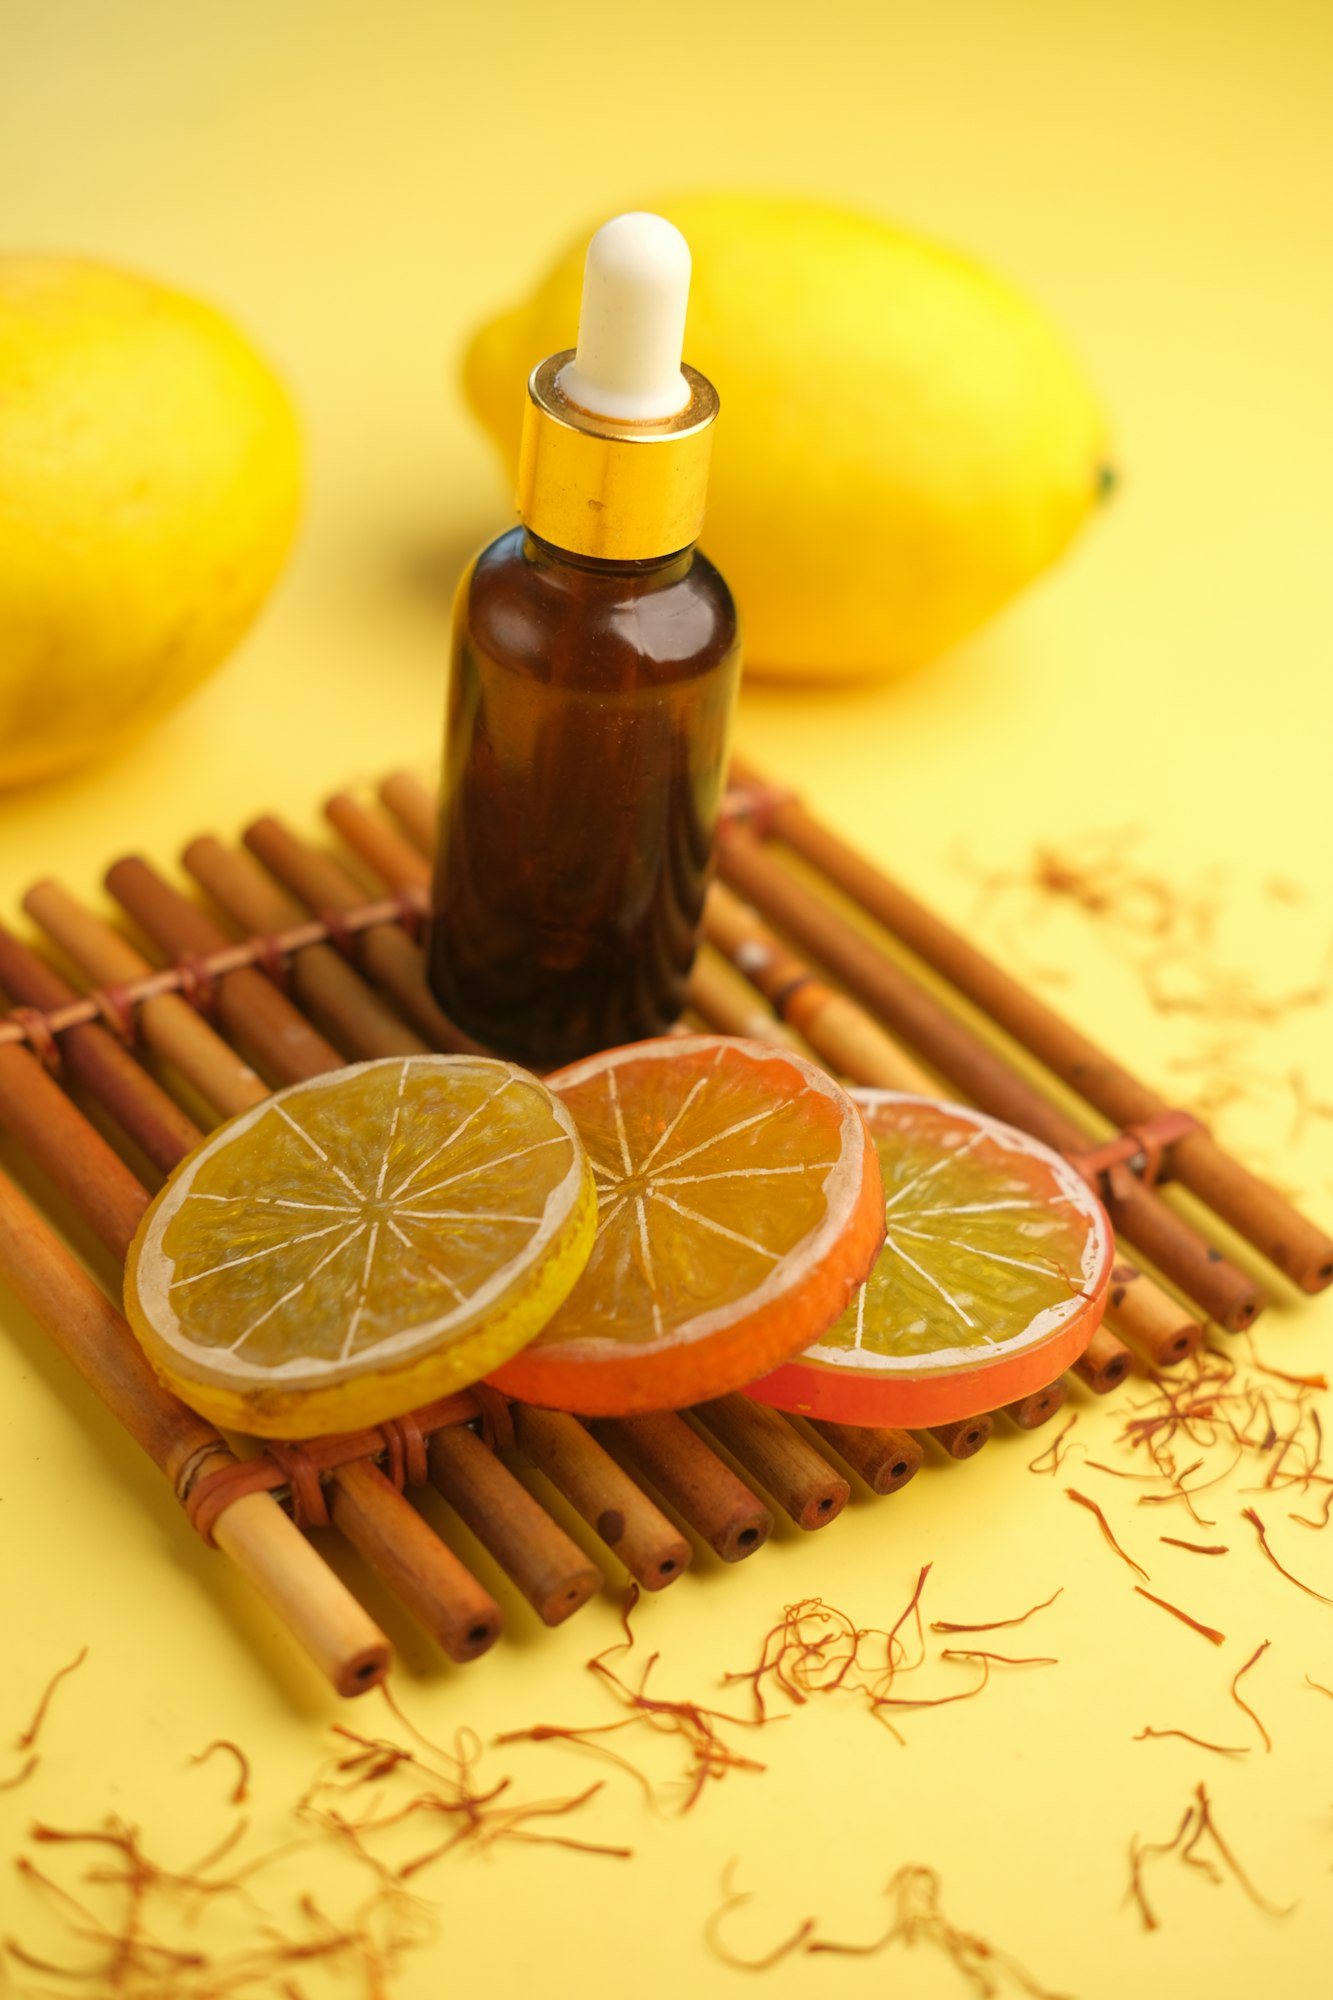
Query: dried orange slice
<point x="993" y="1277"/>
<point x="739" y="1207"/>
<point x="360" y="1243"/>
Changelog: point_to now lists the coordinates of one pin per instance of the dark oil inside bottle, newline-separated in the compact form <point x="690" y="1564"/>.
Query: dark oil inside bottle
<point x="585" y="754"/>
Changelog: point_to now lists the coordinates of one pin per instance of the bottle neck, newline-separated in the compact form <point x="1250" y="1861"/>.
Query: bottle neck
<point x="657" y="570"/>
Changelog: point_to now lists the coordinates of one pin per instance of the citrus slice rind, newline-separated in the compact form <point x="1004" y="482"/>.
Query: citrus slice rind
<point x="739" y="1208"/>
<point x="993" y="1276"/>
<point x="361" y="1243"/>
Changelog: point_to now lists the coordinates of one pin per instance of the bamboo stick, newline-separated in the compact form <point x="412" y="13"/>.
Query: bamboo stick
<point x="249" y="1007"/>
<point x="848" y="1039"/>
<point x="169" y="1025"/>
<point x="692" y="1480"/>
<point x="804" y="1485"/>
<point x="393" y="859"/>
<point x="390" y="957"/>
<point x="424" y="1573"/>
<point x="1224" y="1292"/>
<point x="884" y="1458"/>
<point x="652" y="1550"/>
<point x="142" y="1109"/>
<point x="724" y="1002"/>
<point x="1030" y="1412"/>
<point x="965" y="1438"/>
<point x="1256" y="1211"/>
<point x="413" y="806"/>
<point x="552" y="1571"/>
<point x="1103" y="1363"/>
<point x="321" y="977"/>
<point x="70" y="1151"/>
<point x="253" y="1531"/>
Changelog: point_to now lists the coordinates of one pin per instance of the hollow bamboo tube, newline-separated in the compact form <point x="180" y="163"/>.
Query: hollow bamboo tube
<point x="142" y="1109"/>
<point x="388" y="955"/>
<point x="1031" y="1412"/>
<point x="1178" y="1250"/>
<point x="393" y="859"/>
<point x="321" y="977"/>
<point x="1149" y="1318"/>
<point x="884" y="1458"/>
<point x="70" y="1151"/>
<point x="1104" y="1362"/>
<point x="804" y="1485"/>
<point x="728" y="1004"/>
<point x="253" y="1531"/>
<point x="534" y="1551"/>
<point x="849" y="1039"/>
<point x="653" y="1551"/>
<point x="965" y="1438"/>
<point x="413" y="806"/>
<point x="1256" y="1211"/>
<point x="168" y="1024"/>
<point x="693" y="1480"/>
<point x="425" y="1574"/>
<point x="250" y="1008"/>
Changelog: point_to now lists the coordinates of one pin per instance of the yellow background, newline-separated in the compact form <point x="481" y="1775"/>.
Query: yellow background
<point x="358" y="185"/>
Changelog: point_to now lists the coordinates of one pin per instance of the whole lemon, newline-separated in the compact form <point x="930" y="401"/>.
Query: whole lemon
<point x="149" y="483"/>
<point x="905" y="439"/>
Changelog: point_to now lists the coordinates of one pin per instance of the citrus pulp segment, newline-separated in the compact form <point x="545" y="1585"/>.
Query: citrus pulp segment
<point x="361" y="1243"/>
<point x="739" y="1207"/>
<point x="993" y="1277"/>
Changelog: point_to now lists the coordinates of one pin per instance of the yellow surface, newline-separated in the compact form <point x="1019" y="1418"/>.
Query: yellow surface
<point x="359" y="187"/>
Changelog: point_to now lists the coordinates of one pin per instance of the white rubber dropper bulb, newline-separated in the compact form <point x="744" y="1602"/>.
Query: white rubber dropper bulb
<point x="636" y="286"/>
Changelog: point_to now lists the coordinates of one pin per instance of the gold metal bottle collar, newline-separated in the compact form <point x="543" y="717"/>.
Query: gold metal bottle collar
<point x="624" y="492"/>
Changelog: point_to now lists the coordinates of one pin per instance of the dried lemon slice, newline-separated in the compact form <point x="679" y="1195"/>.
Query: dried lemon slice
<point x="993" y="1276"/>
<point x="740" y="1206"/>
<point x="362" y="1242"/>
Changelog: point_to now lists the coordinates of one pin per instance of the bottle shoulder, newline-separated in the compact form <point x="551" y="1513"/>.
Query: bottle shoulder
<point x="528" y="608"/>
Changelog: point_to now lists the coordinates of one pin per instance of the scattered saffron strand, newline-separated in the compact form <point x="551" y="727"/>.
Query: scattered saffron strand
<point x="913" y="1607"/>
<point x="996" y="1624"/>
<point x="28" y="1738"/>
<point x="1207" y="1824"/>
<point x="1199" y="1548"/>
<point x="1053" y="1450"/>
<point x="1138" y="1854"/>
<point x="1105" y="1526"/>
<point x="1249" y="1514"/>
<point x="732" y="1898"/>
<point x="1280" y="1374"/>
<point x="1002" y="1659"/>
<point x="1242" y="1703"/>
<point x="241" y="1789"/>
<point x="1319" y="1687"/>
<point x="915" y="1892"/>
<point x="939" y="1700"/>
<point x="711" y="1756"/>
<point x="1222" y="1749"/>
<point x="22" y="1775"/>
<point x="1209" y="1632"/>
<point x="1198" y="1824"/>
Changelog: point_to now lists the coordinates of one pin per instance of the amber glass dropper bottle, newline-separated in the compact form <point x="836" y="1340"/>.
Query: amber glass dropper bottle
<point x="595" y="663"/>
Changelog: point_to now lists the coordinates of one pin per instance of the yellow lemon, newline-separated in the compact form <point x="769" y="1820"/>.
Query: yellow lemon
<point x="905" y="440"/>
<point x="149" y="482"/>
